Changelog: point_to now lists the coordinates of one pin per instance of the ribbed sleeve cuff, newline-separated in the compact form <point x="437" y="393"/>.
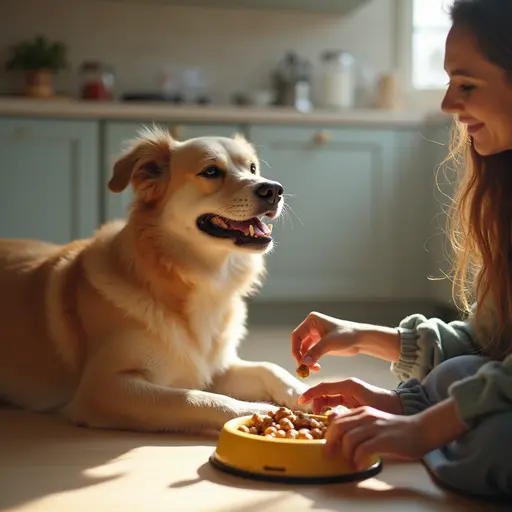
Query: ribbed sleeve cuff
<point x="404" y="367"/>
<point x="413" y="397"/>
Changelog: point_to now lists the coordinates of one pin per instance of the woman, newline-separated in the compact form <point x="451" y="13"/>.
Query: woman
<point x="453" y="408"/>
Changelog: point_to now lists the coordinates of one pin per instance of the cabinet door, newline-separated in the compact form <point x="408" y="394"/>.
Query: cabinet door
<point x="335" y="241"/>
<point x="49" y="185"/>
<point x="116" y="135"/>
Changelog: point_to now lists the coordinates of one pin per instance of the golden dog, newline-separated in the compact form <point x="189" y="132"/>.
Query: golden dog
<point x="138" y="326"/>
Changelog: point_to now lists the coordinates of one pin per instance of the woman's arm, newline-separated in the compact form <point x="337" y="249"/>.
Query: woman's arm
<point x="441" y="424"/>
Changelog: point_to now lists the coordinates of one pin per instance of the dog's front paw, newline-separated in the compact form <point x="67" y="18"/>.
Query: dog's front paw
<point x="285" y="390"/>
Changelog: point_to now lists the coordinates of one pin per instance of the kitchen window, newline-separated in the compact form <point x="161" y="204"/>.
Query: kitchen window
<point x="420" y="49"/>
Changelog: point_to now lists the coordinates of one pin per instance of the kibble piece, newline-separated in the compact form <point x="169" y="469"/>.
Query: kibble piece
<point x="314" y="423"/>
<point x="286" y="424"/>
<point x="257" y="420"/>
<point x="302" y="422"/>
<point x="302" y="371"/>
<point x="266" y="422"/>
<point x="270" y="430"/>
<point x="292" y="434"/>
<point x="244" y="428"/>
<point x="280" y="434"/>
<point x="304" y="434"/>
<point x="281" y="413"/>
<point x="254" y="430"/>
<point x="316" y="433"/>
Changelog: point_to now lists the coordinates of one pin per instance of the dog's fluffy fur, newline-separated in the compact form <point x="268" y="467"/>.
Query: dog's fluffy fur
<point x="138" y="326"/>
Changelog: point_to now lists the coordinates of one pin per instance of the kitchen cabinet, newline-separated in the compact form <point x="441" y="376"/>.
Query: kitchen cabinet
<point x="49" y="179"/>
<point x="116" y="136"/>
<point x="338" y="7"/>
<point x="355" y="225"/>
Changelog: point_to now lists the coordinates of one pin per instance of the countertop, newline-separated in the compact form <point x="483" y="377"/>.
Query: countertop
<point x="163" y="112"/>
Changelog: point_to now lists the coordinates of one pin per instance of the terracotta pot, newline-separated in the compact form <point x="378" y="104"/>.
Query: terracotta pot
<point x="39" y="83"/>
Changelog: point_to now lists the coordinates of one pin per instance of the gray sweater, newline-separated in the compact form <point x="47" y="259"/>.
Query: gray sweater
<point x="426" y="342"/>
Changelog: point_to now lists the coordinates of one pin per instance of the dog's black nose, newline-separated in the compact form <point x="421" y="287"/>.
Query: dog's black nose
<point x="270" y="191"/>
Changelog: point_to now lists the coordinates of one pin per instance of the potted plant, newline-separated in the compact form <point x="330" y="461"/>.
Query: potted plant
<point x="40" y="59"/>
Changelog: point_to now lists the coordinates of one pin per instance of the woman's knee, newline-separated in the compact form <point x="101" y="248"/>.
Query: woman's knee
<point x="439" y="380"/>
<point x="480" y="462"/>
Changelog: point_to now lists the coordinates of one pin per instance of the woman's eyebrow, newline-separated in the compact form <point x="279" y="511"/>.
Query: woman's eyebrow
<point x="461" y="72"/>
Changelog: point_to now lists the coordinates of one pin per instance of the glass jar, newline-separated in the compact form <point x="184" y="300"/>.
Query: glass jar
<point x="96" y="81"/>
<point x="338" y="82"/>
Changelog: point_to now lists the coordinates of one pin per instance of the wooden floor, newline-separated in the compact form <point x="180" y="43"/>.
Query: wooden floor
<point x="49" y="466"/>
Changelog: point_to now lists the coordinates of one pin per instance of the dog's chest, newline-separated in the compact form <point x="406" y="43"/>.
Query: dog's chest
<point x="202" y="345"/>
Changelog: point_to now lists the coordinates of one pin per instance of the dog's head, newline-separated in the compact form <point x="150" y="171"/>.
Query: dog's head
<point x="208" y="191"/>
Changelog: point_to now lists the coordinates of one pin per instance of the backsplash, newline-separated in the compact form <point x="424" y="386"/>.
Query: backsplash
<point x="237" y="49"/>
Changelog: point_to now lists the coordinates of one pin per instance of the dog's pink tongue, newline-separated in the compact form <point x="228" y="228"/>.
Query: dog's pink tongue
<point x="260" y="229"/>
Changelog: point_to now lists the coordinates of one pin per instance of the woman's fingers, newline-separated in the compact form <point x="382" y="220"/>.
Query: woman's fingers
<point x="306" y="332"/>
<point x="308" y="342"/>
<point x="329" y="343"/>
<point x="345" y="388"/>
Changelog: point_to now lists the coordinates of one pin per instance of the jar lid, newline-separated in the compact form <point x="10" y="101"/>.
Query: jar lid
<point x="339" y="55"/>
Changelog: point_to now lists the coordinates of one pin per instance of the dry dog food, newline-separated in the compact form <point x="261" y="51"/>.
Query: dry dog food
<point x="302" y="371"/>
<point x="286" y="424"/>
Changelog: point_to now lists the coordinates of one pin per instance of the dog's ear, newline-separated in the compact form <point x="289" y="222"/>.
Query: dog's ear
<point x="240" y="137"/>
<point x="144" y="164"/>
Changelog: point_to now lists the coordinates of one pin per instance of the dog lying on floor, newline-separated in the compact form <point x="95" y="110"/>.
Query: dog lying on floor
<point x="137" y="327"/>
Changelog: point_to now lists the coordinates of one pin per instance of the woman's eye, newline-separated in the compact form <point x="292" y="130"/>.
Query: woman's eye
<point x="212" y="172"/>
<point x="466" y="87"/>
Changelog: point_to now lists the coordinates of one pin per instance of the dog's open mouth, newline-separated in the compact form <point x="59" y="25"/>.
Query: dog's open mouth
<point x="252" y="231"/>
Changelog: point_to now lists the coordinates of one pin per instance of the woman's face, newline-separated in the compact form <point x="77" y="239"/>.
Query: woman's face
<point x="479" y="94"/>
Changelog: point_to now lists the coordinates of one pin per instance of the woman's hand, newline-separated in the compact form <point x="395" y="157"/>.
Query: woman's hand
<point x="351" y="393"/>
<point x="366" y="432"/>
<point x="320" y="334"/>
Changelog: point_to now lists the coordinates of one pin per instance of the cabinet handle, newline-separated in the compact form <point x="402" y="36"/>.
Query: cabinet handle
<point x="322" y="137"/>
<point x="176" y="132"/>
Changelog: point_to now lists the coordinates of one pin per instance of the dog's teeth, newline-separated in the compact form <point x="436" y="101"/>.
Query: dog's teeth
<point x="219" y="222"/>
<point x="270" y="226"/>
<point x="251" y="230"/>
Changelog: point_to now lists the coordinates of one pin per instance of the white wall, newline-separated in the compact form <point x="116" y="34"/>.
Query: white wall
<point x="239" y="48"/>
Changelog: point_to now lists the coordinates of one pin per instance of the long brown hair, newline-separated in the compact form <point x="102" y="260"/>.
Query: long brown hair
<point x="480" y="220"/>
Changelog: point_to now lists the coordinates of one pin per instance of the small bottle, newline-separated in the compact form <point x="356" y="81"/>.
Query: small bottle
<point x="96" y="81"/>
<point x="387" y="92"/>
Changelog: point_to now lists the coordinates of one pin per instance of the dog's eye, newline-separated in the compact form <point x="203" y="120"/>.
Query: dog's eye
<point x="253" y="168"/>
<point x="212" y="172"/>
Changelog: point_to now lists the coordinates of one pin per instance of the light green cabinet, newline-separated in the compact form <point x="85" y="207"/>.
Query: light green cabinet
<point x="358" y="212"/>
<point x="335" y="238"/>
<point x="49" y="186"/>
<point x="118" y="133"/>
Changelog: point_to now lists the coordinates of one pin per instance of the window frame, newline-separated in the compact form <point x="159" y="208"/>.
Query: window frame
<point x="422" y="99"/>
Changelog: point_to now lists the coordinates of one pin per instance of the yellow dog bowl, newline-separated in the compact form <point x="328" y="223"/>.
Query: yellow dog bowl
<point x="284" y="460"/>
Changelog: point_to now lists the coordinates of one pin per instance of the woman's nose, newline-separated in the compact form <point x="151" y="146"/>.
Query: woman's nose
<point x="451" y="104"/>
